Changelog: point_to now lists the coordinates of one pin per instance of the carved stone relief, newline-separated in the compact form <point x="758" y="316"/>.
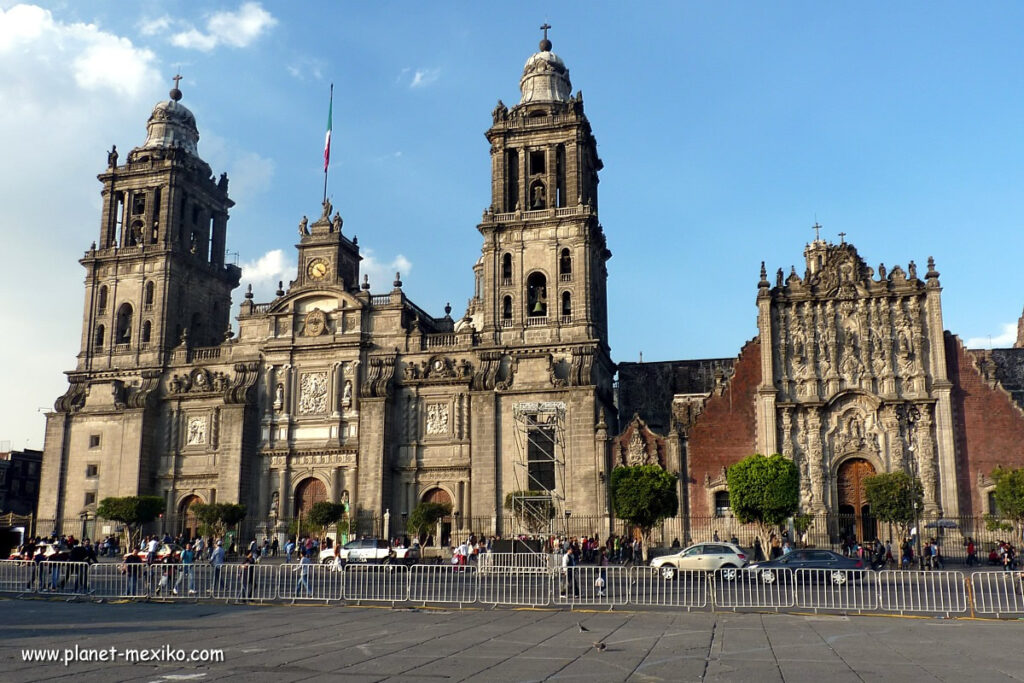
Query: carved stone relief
<point x="196" y="431"/>
<point x="313" y="393"/>
<point x="437" y="419"/>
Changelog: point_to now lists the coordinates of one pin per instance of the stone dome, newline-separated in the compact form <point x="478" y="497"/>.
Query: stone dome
<point x="171" y="125"/>
<point x="545" y="78"/>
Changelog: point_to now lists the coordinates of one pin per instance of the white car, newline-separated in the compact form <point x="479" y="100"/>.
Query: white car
<point x="706" y="557"/>
<point x="369" y="550"/>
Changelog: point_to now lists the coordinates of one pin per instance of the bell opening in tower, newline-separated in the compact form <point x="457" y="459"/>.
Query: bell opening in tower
<point x="536" y="295"/>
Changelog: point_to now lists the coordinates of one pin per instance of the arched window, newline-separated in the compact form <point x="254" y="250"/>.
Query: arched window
<point x="102" y="303"/>
<point x="123" y="333"/>
<point x="565" y="265"/>
<point x="148" y="300"/>
<point x="147" y="331"/>
<point x="537" y="295"/>
<point x="506" y="311"/>
<point x="506" y="269"/>
<point x="722" y="507"/>
<point x="100" y="333"/>
<point x="566" y="306"/>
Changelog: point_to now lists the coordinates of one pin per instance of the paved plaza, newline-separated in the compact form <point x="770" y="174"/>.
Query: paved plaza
<point x="283" y="643"/>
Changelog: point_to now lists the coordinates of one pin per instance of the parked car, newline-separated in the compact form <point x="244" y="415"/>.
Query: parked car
<point x="839" y="569"/>
<point x="370" y="550"/>
<point x="165" y="549"/>
<point x="708" y="557"/>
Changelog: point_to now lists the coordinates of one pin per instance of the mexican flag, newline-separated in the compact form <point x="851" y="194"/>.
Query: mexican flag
<point x="327" y="138"/>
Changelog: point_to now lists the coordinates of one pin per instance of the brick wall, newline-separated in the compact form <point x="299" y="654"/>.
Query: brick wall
<point x="989" y="427"/>
<point x="726" y="432"/>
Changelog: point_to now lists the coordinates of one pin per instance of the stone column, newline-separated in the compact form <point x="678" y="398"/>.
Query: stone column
<point x="926" y="461"/>
<point x="814" y="460"/>
<point x="766" y="421"/>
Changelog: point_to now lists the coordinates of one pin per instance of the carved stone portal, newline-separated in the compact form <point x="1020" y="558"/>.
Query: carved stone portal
<point x="313" y="393"/>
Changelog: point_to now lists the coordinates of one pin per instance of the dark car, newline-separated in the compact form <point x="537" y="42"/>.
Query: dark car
<point x="832" y="567"/>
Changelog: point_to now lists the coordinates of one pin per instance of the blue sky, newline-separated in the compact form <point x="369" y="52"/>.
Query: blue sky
<point x="726" y="130"/>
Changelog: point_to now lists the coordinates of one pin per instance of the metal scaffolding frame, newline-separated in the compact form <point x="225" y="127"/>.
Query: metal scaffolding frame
<point x="540" y="441"/>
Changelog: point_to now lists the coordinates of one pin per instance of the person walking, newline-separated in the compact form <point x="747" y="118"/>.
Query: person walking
<point x="188" y="558"/>
<point x="569" y="571"/>
<point x="246" y="576"/>
<point x="972" y="553"/>
<point x="217" y="562"/>
<point x="305" y="563"/>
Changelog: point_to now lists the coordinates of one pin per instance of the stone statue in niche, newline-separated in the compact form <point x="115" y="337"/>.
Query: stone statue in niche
<point x="346" y="396"/>
<point x="279" y="397"/>
<point x="275" y="503"/>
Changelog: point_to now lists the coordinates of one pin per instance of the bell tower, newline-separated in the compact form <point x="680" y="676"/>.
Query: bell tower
<point x="157" y="275"/>
<point x="542" y="273"/>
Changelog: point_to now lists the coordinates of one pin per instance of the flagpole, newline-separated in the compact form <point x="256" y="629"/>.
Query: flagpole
<point x="327" y="144"/>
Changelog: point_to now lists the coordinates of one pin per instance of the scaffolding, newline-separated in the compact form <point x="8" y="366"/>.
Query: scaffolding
<point x="538" y="502"/>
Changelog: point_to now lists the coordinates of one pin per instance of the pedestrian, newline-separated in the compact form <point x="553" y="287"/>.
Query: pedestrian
<point x="151" y="548"/>
<point x="217" y="562"/>
<point x="274" y="547"/>
<point x="246" y="576"/>
<point x="569" y="572"/>
<point x="289" y="548"/>
<point x="188" y="558"/>
<point x="303" y="569"/>
<point x="972" y="556"/>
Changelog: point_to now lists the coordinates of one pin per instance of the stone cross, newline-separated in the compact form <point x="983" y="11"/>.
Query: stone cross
<point x="817" y="231"/>
<point x="842" y="238"/>
<point x="176" y="79"/>
<point x="545" y="28"/>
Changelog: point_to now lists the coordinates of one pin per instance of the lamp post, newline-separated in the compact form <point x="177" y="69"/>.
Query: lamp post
<point x="568" y="514"/>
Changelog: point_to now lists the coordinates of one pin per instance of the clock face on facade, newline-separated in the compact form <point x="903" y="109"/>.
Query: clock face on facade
<point x="317" y="269"/>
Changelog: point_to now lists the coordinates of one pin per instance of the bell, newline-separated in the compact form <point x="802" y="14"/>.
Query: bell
<point x="538" y="308"/>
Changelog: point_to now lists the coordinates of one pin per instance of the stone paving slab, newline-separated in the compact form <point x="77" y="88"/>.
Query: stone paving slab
<point x="287" y="644"/>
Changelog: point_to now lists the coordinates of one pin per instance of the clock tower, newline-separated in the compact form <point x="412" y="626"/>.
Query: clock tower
<point x="326" y="256"/>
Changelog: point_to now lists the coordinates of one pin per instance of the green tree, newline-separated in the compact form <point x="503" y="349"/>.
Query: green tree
<point x="644" y="495"/>
<point x="133" y="512"/>
<point x="533" y="509"/>
<point x="325" y="514"/>
<point x="893" y="497"/>
<point x="217" y="518"/>
<point x="1009" y="495"/>
<point x="764" y="491"/>
<point x="425" y="516"/>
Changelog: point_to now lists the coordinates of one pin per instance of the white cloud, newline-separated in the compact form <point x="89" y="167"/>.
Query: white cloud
<point x="268" y="269"/>
<point x="250" y="175"/>
<point x="151" y="27"/>
<point x="1004" y="339"/>
<point x="381" y="273"/>
<point x="57" y="82"/>
<point x="237" y="29"/>
<point x="424" y="77"/>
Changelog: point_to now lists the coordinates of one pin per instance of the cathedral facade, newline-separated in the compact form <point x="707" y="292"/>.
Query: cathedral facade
<point x="331" y="392"/>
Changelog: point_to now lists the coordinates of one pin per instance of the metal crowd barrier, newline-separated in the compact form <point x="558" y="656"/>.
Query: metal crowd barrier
<point x="590" y="585"/>
<point x="944" y="592"/>
<point x="376" y="583"/>
<point x="516" y="563"/>
<point x="761" y="588"/>
<point x="443" y="583"/>
<point x="998" y="592"/>
<point x="836" y="589"/>
<point x="914" y="591"/>
<point x="528" y="589"/>
<point x="688" y="588"/>
<point x="316" y="582"/>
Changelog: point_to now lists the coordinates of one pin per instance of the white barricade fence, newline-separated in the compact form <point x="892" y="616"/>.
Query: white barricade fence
<point x="443" y="583"/>
<point x="323" y="582"/>
<point x="915" y="591"/>
<point x="243" y="582"/>
<point x="764" y="588"/>
<point x="121" y="580"/>
<point x="590" y="585"/>
<point x="687" y="588"/>
<point x="516" y="563"/>
<point x="376" y="582"/>
<point x="836" y="589"/>
<point x="528" y="588"/>
<point x="998" y="592"/>
<point x="19" y="576"/>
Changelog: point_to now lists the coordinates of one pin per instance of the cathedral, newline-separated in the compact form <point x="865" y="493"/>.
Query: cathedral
<point x="511" y="413"/>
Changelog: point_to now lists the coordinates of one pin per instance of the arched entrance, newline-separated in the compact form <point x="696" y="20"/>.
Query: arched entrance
<point x="439" y="495"/>
<point x="309" y="491"/>
<point x="188" y="521"/>
<point x="855" y="517"/>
